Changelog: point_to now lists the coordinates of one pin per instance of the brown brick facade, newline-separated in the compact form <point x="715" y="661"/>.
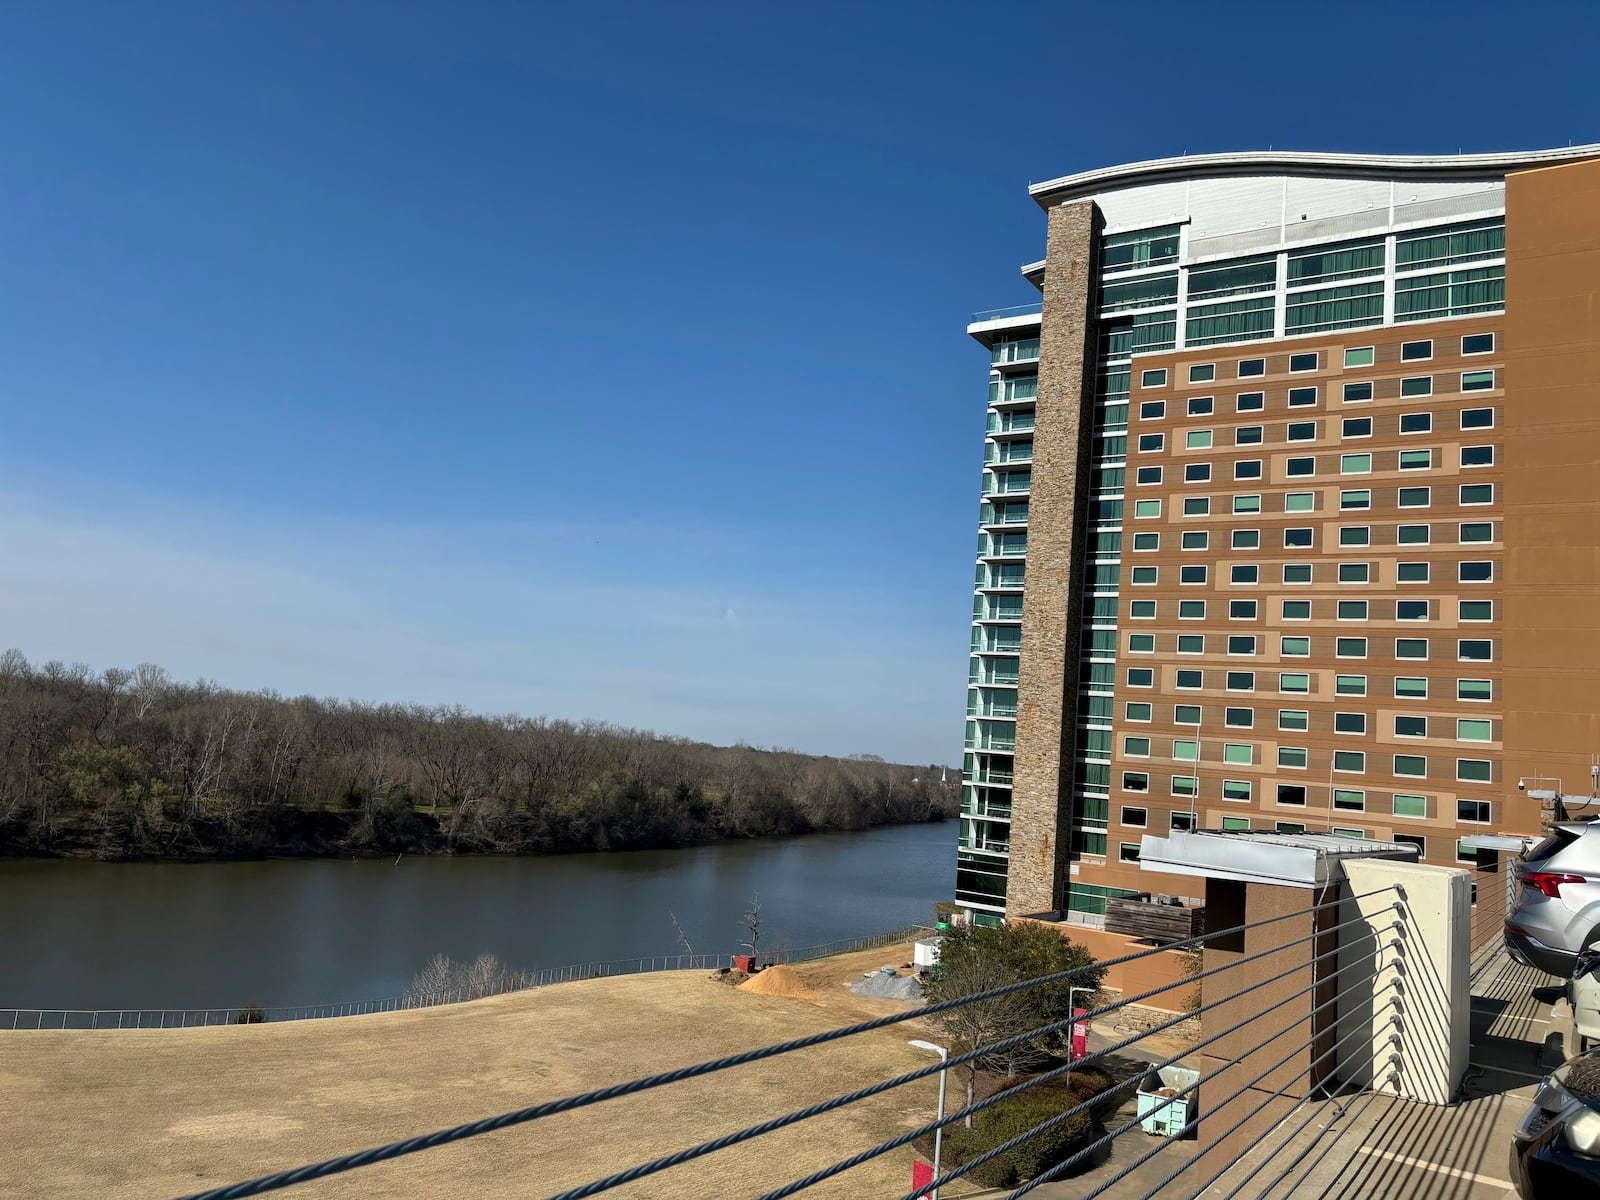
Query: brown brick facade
<point x="1048" y="688"/>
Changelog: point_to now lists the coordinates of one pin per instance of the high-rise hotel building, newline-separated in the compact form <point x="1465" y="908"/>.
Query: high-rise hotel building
<point x="1290" y="514"/>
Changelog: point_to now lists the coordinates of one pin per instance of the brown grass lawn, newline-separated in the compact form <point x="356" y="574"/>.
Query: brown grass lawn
<point x="164" y="1112"/>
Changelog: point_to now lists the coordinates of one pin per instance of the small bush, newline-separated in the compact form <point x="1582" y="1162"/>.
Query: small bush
<point x="962" y="1145"/>
<point x="250" y="1014"/>
<point x="1015" y="1117"/>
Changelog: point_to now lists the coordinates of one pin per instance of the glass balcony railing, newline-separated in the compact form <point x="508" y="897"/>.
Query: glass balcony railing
<point x="1020" y="350"/>
<point x="1016" y="310"/>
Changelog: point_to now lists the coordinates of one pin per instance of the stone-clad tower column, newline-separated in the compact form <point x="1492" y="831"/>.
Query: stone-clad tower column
<point x="1047" y="700"/>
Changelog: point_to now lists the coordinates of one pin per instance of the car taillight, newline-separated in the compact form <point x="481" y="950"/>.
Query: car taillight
<point x="1548" y="883"/>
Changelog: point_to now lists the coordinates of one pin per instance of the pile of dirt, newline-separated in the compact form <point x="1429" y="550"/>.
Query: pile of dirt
<point x="778" y="981"/>
<point x="891" y="987"/>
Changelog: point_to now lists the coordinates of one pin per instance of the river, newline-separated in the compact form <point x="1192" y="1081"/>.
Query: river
<point x="323" y="931"/>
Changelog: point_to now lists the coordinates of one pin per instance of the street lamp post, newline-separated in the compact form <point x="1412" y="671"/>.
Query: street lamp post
<point x="938" y="1133"/>
<point x="1072" y="1006"/>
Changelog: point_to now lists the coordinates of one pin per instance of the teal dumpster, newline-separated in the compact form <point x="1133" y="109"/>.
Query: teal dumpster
<point x="1162" y="1110"/>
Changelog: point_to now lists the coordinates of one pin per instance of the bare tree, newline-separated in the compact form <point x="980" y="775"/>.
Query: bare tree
<point x="752" y="924"/>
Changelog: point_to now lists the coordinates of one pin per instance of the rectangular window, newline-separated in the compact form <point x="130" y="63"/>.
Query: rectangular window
<point x="1411" y="766"/>
<point x="1186" y="714"/>
<point x="1473" y="650"/>
<point x="1302" y="397"/>
<point x="1191" y="643"/>
<point x="1411" y="648"/>
<point x="1410" y="687"/>
<point x="1474" y="730"/>
<point x="1240" y="718"/>
<point x="1244" y="573"/>
<point x="1477" y="343"/>
<point x="1410" y="806"/>
<point x="1294" y="720"/>
<point x="1356" y="427"/>
<point x="1477" y="418"/>
<point x="1477" y="381"/>
<point x="1302" y="362"/>
<point x="1299" y="502"/>
<point x="1295" y="647"/>
<point x="1192" y="574"/>
<point x="1411" y="610"/>
<point x="1197" y="439"/>
<point x="1291" y="794"/>
<point x="1202" y="373"/>
<point x="1477" y="493"/>
<point x="1141" y="677"/>
<point x="1182" y="822"/>
<point x="1477" y="456"/>
<point x="1414" y="497"/>
<point x="1147" y="541"/>
<point x="1352" y="572"/>
<point x="1416" y="460"/>
<point x="1145" y="575"/>
<point x="1144" y="476"/>
<point x="1240" y="754"/>
<point x="1141" y="248"/>
<point x="1135" y="781"/>
<point x="1141" y="643"/>
<point x="1302" y="466"/>
<point x="1292" y="757"/>
<point x="1349" y="722"/>
<point x="1408" y="726"/>
<point x="1185" y="750"/>
<point x="1417" y="385"/>
<point x="1473" y="812"/>
<point x="1416" y="351"/>
<point x="1247" y="469"/>
<point x="1241" y="681"/>
<point x="1196" y="473"/>
<point x="1302" y="431"/>
<point x="1350" y="685"/>
<point x="1411" y="572"/>
<point x="1250" y="402"/>
<point x="1254" y="366"/>
<point x="1357" y="393"/>
<point x="1247" y="539"/>
<point x="1197" y="539"/>
<point x="1241" y="643"/>
<point x="1135" y="818"/>
<point x="1241" y="610"/>
<point x="1355" y="464"/>
<point x="1297" y="539"/>
<point x="1196" y="506"/>
<point x="1355" y="535"/>
<point x="1191" y="610"/>
<point x="1126" y="852"/>
<point x="1350" y="647"/>
<point x="1152" y="441"/>
<point x="1235" y="824"/>
<point x="1137" y="710"/>
<point x="1352" y="610"/>
<point x="1294" y="683"/>
<point x="1412" y="535"/>
<point x="1474" y="770"/>
<point x="1146" y="508"/>
<point x="1475" y="610"/>
<point x="1142" y="610"/>
<point x="1152" y="410"/>
<point x="1136" y="747"/>
<point x="1359" y="357"/>
<point x="1347" y="800"/>
<point x="1185" y="785"/>
<point x="1475" y="572"/>
<point x="1474" y="689"/>
<point x="1190" y="680"/>
<point x="1416" y="422"/>
<point x="1236" y="789"/>
<point x="1247" y="435"/>
<point x="1154" y="379"/>
<point x="1201" y="406"/>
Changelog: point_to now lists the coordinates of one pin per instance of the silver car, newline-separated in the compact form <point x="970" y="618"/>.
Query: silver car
<point x="1558" y="898"/>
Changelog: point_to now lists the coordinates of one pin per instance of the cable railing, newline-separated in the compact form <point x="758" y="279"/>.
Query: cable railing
<point x="1292" y="1017"/>
<point x="509" y="981"/>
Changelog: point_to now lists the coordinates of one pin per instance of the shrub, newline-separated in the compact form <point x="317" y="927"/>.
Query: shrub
<point x="250" y="1014"/>
<point x="961" y="1146"/>
<point x="998" y="1124"/>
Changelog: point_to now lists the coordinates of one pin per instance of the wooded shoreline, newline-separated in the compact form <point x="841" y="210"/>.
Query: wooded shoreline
<point x="131" y="765"/>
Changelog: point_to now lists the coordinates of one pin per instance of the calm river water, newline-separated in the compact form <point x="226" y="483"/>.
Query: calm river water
<point x="180" y="935"/>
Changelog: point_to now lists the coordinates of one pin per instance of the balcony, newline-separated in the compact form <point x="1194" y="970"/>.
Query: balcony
<point x="1007" y="452"/>
<point x="1000" y="314"/>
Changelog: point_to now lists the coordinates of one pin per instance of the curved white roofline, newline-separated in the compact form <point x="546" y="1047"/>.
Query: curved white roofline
<point x="1303" y="162"/>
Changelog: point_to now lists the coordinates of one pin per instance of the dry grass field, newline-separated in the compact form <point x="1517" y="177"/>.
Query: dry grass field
<point x="165" y="1112"/>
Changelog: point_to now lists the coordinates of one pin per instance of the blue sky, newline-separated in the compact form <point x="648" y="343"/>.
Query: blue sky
<point x="599" y="361"/>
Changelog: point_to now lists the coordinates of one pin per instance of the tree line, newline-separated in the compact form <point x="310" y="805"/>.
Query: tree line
<point x="135" y="764"/>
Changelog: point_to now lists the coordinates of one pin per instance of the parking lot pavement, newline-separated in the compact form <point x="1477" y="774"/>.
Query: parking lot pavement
<point x="1367" y="1146"/>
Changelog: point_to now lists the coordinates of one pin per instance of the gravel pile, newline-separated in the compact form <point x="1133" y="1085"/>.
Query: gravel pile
<point x="891" y="987"/>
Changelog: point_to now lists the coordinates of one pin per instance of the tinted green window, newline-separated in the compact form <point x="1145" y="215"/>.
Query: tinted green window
<point x="1144" y="248"/>
<point x="1294" y="720"/>
<point x="1233" y="278"/>
<point x="1148" y="291"/>
<point x="1450" y="244"/>
<point x="1411" y="765"/>
<point x="1141" y="643"/>
<point x="1474" y="770"/>
<point x="1343" y="261"/>
<point x="1299" y="502"/>
<point x="1361" y="357"/>
<point x="1350" y="685"/>
<point x="1411" y="687"/>
<point x="1474" y="730"/>
<point x="1412" y="572"/>
<point x="1474" y="689"/>
<point x="1410" y="806"/>
<point x="1291" y="756"/>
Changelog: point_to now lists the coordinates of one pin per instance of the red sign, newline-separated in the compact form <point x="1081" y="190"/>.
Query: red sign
<point x="921" y="1175"/>
<point x="1080" y="1034"/>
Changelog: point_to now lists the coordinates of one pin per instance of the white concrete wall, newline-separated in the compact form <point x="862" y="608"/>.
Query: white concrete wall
<point x="1404" y="1026"/>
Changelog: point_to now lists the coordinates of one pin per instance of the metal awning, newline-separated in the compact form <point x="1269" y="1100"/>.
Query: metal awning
<point x="1288" y="859"/>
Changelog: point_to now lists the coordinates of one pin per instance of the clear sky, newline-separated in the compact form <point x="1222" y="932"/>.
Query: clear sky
<point x="598" y="360"/>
